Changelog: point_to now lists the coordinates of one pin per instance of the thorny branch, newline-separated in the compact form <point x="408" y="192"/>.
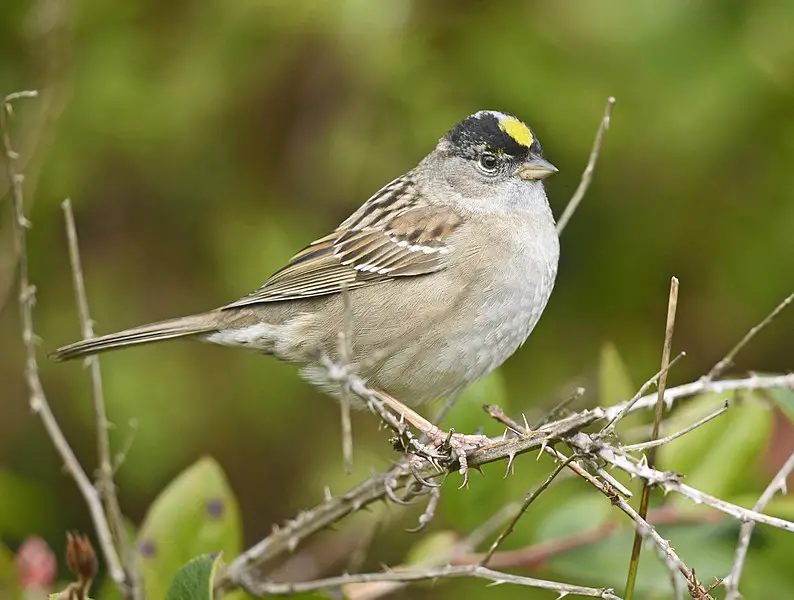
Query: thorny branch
<point x="333" y="509"/>
<point x="257" y="587"/>
<point x="778" y="484"/>
<point x="38" y="400"/>
<point x="634" y="562"/>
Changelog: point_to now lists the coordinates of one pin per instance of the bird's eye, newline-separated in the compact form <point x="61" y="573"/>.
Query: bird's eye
<point x="489" y="162"/>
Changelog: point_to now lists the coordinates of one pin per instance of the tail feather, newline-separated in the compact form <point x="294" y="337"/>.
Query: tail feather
<point x="145" y="334"/>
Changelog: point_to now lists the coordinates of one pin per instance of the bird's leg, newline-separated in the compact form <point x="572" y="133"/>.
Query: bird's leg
<point x="457" y="445"/>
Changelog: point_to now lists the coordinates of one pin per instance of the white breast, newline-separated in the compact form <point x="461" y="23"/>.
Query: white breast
<point x="515" y="296"/>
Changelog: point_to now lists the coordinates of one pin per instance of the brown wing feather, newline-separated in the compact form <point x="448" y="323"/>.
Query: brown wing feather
<point x="378" y="242"/>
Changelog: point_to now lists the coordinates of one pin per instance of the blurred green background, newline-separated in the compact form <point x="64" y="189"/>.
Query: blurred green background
<point x="203" y="143"/>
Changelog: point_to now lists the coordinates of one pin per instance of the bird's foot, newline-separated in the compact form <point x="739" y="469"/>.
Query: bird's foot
<point x="456" y="447"/>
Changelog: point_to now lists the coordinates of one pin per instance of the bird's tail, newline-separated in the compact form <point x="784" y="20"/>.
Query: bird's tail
<point x="145" y="334"/>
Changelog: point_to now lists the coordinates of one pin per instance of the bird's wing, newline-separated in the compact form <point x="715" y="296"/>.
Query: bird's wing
<point x="391" y="235"/>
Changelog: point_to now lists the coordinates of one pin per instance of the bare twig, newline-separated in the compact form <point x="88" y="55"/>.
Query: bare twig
<point x="626" y="408"/>
<point x="575" y="395"/>
<point x="373" y="590"/>
<point x="524" y="506"/>
<point x="587" y="175"/>
<point x="778" y="484"/>
<point x="269" y="588"/>
<point x="105" y="484"/>
<point x="538" y="555"/>
<point x="670" y="481"/>
<point x="727" y="360"/>
<point x="332" y="510"/>
<point x="634" y="562"/>
<point x="122" y="454"/>
<point x="669" y="438"/>
<point x="754" y="382"/>
<point x="669" y="556"/>
<point x="38" y="400"/>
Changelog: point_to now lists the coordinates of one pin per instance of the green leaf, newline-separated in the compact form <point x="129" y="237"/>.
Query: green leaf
<point x="194" y="581"/>
<point x="614" y="383"/>
<point x="685" y="453"/>
<point x="716" y="457"/>
<point x="431" y="546"/>
<point x="582" y="512"/>
<point x="708" y="548"/>
<point x="196" y="514"/>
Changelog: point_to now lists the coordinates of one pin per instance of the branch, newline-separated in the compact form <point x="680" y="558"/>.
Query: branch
<point x="634" y="562"/>
<point x="257" y="587"/>
<point x="778" y="484"/>
<point x="669" y="438"/>
<point x="537" y="555"/>
<point x="105" y="484"/>
<point x="587" y="175"/>
<point x="38" y="400"/>
<point x="754" y="382"/>
<point x="671" y="482"/>
<point x="727" y="360"/>
<point x="333" y="509"/>
<point x="524" y="506"/>
<point x="643" y="528"/>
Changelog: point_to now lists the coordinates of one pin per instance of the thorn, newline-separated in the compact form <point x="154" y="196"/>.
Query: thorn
<point x="542" y="449"/>
<point x="328" y="495"/>
<point x="508" y="470"/>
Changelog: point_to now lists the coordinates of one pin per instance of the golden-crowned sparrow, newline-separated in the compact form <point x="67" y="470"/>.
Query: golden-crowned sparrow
<point x="447" y="269"/>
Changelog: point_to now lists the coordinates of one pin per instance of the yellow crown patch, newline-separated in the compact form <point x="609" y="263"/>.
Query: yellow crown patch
<point x="516" y="130"/>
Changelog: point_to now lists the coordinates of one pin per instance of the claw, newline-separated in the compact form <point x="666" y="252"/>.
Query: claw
<point x="420" y="479"/>
<point x="429" y="512"/>
<point x="388" y="486"/>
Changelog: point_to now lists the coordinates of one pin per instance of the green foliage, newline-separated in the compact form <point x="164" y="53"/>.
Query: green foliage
<point x="784" y="399"/>
<point x="195" y="580"/>
<point x="8" y="572"/>
<point x="196" y="514"/>
<point x="614" y="383"/>
<point x="717" y="456"/>
<point x="431" y="547"/>
<point x="25" y="506"/>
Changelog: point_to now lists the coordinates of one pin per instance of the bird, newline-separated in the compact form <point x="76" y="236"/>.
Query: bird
<point x="440" y="276"/>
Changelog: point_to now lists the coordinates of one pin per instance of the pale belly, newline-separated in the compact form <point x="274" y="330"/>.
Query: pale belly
<point x="478" y="333"/>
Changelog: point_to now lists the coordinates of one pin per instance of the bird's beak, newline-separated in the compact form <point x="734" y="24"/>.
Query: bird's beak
<point x="536" y="168"/>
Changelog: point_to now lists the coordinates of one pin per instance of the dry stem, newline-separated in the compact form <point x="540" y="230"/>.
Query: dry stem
<point x="38" y="400"/>
<point x="105" y="484"/>
<point x="634" y="562"/>
<point x="587" y="175"/>
<point x="727" y="360"/>
<point x="778" y="484"/>
<point x="258" y="587"/>
<point x="333" y="509"/>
